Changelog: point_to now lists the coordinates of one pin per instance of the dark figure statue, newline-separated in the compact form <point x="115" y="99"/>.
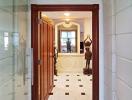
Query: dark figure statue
<point x="68" y="43"/>
<point x="55" y="60"/>
<point x="88" y="55"/>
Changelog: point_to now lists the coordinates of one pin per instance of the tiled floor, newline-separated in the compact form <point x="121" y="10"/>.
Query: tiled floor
<point x="69" y="86"/>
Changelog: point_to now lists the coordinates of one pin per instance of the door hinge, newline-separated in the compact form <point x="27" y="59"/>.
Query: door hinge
<point x="39" y="21"/>
<point x="39" y="62"/>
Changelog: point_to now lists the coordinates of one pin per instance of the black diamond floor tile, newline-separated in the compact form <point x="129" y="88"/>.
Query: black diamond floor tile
<point x="66" y="93"/>
<point x="82" y="93"/>
<point x="67" y="79"/>
<point x="80" y="85"/>
<point x="67" y="85"/>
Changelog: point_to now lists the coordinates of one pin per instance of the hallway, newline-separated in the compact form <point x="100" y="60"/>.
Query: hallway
<point x="49" y="34"/>
<point x="72" y="86"/>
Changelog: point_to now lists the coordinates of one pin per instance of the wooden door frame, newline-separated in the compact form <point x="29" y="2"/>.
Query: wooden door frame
<point x="94" y="8"/>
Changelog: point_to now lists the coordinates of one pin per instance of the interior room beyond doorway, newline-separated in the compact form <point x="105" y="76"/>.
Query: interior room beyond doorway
<point x="75" y="26"/>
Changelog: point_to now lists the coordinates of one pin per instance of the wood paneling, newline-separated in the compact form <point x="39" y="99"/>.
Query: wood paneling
<point x="34" y="45"/>
<point x="50" y="56"/>
<point x="65" y="7"/>
<point x="44" y="59"/>
<point x="47" y="58"/>
<point x="42" y="44"/>
<point x="45" y="28"/>
<point x="95" y="48"/>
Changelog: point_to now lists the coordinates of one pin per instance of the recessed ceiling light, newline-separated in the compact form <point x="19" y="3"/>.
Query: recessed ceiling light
<point x="67" y="14"/>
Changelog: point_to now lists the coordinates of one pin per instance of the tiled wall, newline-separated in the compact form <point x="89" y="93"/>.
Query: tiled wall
<point x="13" y="59"/>
<point x="123" y="31"/>
<point x="118" y="49"/>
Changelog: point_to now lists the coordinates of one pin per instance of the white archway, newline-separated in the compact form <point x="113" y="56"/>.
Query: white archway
<point x="78" y="34"/>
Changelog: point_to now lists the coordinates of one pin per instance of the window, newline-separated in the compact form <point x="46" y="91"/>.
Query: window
<point x="67" y="42"/>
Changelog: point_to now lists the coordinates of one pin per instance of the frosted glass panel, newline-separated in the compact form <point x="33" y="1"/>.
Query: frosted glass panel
<point x="6" y="50"/>
<point x="7" y="5"/>
<point x="6" y="70"/>
<point x="19" y="42"/>
<point x="6" y="92"/>
<point x="6" y="21"/>
<point x="13" y="66"/>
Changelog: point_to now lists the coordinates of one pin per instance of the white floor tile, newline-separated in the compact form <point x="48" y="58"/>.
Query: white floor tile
<point x="74" y="90"/>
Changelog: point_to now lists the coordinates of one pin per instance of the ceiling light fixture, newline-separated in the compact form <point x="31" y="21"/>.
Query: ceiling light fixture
<point x="67" y="21"/>
<point x="67" y="25"/>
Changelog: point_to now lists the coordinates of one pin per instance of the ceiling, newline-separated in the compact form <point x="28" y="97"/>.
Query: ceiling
<point x="73" y="14"/>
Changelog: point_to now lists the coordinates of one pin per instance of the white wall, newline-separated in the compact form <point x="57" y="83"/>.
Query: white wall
<point x="123" y="16"/>
<point x="118" y="51"/>
<point x="108" y="49"/>
<point x="88" y="27"/>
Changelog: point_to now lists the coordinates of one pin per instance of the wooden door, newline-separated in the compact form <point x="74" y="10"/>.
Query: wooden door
<point x="50" y="57"/>
<point x="44" y="59"/>
<point x="46" y="56"/>
<point x="42" y="45"/>
<point x="35" y="44"/>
